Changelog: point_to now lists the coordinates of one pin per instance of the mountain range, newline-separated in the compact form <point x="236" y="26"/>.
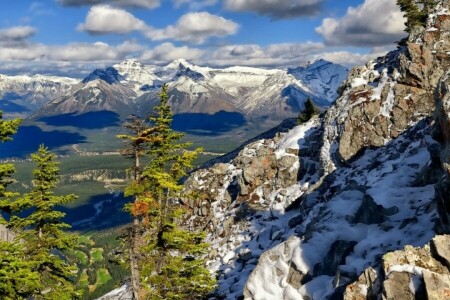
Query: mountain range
<point x="131" y="87"/>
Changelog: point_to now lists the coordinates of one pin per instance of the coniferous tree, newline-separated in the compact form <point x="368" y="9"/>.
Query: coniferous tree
<point x="42" y="231"/>
<point x="309" y="111"/>
<point x="137" y="145"/>
<point x="18" y="280"/>
<point x="416" y="12"/>
<point x="171" y="264"/>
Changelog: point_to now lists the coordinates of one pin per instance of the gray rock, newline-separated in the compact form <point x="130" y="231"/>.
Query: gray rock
<point x="437" y="286"/>
<point x="396" y="286"/>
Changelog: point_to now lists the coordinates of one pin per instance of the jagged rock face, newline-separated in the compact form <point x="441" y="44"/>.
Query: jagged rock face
<point x="360" y="211"/>
<point x="411" y="273"/>
<point x="385" y="97"/>
<point x="442" y="133"/>
<point x="253" y="179"/>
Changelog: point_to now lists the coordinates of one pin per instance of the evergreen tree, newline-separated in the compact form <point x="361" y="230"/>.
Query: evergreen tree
<point x="42" y="231"/>
<point x="416" y="12"/>
<point x="309" y="111"/>
<point x="170" y="261"/>
<point x="137" y="144"/>
<point x="18" y="280"/>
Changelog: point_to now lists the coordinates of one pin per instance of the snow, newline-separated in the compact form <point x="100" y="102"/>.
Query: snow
<point x="390" y="184"/>
<point x="293" y="139"/>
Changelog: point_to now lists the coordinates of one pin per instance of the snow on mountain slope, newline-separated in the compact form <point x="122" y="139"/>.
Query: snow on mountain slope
<point x="302" y="215"/>
<point x="26" y="93"/>
<point x="322" y="77"/>
<point x="250" y="91"/>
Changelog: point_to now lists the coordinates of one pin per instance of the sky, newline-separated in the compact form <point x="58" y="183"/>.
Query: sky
<point x="73" y="37"/>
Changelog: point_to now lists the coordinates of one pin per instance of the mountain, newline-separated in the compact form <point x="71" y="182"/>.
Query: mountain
<point x="346" y="205"/>
<point x="24" y="94"/>
<point x="131" y="86"/>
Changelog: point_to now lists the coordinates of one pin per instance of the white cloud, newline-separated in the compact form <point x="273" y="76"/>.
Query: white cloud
<point x="373" y="23"/>
<point x="168" y="52"/>
<point x="18" y="33"/>
<point x="124" y="3"/>
<point x="195" y="27"/>
<point x="194" y="4"/>
<point x="275" y="55"/>
<point x="98" y="51"/>
<point x="105" y="19"/>
<point x="276" y="9"/>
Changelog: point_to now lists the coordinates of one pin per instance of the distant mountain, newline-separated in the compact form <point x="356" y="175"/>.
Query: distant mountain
<point x="24" y="94"/>
<point x="131" y="86"/>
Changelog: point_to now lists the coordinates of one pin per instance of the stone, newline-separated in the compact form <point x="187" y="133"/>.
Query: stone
<point x="396" y="286"/>
<point x="440" y="246"/>
<point x="336" y="255"/>
<point x="437" y="286"/>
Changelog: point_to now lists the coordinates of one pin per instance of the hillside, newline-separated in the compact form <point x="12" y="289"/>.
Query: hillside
<point x="303" y="214"/>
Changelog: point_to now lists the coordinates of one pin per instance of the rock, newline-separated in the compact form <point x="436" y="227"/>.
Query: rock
<point x="411" y="273"/>
<point x="441" y="249"/>
<point x="336" y="255"/>
<point x="295" y="221"/>
<point x="437" y="286"/>
<point x="366" y="287"/>
<point x="442" y="133"/>
<point x="369" y="212"/>
<point x="6" y="234"/>
<point x="396" y="286"/>
<point x="380" y="100"/>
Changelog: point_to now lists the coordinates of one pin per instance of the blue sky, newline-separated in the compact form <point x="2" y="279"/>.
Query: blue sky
<point x="72" y="37"/>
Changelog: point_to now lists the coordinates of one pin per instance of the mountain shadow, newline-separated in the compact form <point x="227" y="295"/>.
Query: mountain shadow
<point x="28" y="139"/>
<point x="206" y="124"/>
<point x="89" y="120"/>
<point x="102" y="211"/>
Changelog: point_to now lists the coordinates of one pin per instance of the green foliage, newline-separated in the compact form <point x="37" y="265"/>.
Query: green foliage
<point x="170" y="257"/>
<point x="18" y="277"/>
<point x="42" y="231"/>
<point x="309" y="111"/>
<point x="416" y="12"/>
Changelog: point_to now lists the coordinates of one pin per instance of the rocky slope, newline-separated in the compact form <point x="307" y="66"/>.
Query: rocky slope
<point x="304" y="214"/>
<point x="131" y="86"/>
<point x="24" y="94"/>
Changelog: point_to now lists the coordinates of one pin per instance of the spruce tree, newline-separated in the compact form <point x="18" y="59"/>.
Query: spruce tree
<point x="170" y="257"/>
<point x="309" y="111"/>
<point x="41" y="230"/>
<point x="18" y="280"/>
<point x="416" y="12"/>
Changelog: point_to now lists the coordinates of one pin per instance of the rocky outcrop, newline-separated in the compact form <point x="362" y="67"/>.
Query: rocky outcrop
<point x="442" y="134"/>
<point x="383" y="98"/>
<point x="411" y="273"/>
<point x="307" y="213"/>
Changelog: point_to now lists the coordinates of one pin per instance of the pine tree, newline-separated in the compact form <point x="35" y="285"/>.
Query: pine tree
<point x="137" y="144"/>
<point x="416" y="12"/>
<point x="18" y="280"/>
<point x="42" y="231"/>
<point x="309" y="111"/>
<point x="170" y="261"/>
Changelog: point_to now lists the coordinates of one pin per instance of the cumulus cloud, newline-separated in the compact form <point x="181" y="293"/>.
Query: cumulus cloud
<point x="194" y="4"/>
<point x="16" y="34"/>
<point x="168" y="52"/>
<point x="195" y="27"/>
<point x="373" y="23"/>
<point x="105" y="19"/>
<point x="276" y="9"/>
<point x="123" y="3"/>
<point x="98" y="51"/>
